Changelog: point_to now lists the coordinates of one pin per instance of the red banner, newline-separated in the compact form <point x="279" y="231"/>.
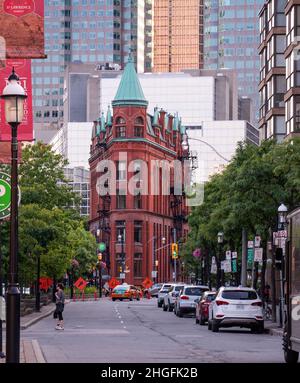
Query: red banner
<point x="23" y="70"/>
<point x="22" y="28"/>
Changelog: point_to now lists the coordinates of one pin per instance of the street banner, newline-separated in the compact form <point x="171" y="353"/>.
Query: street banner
<point x="228" y="254"/>
<point x="227" y="266"/>
<point x="213" y="269"/>
<point x="2" y="308"/>
<point x="234" y="255"/>
<point x="257" y="241"/>
<point x="5" y="152"/>
<point x="258" y="254"/>
<point x="234" y="266"/>
<point x="250" y="244"/>
<point x="22" y="29"/>
<point x="23" y="70"/>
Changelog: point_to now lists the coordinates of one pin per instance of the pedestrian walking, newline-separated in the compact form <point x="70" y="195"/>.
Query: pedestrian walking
<point x="60" y="304"/>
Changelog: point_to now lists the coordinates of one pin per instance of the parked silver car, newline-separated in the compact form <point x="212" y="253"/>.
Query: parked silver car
<point x="185" y="302"/>
<point x="162" y="292"/>
<point x="169" y="299"/>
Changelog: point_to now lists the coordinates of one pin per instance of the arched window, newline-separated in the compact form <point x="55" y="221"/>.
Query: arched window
<point x="138" y="127"/>
<point x="120" y="127"/>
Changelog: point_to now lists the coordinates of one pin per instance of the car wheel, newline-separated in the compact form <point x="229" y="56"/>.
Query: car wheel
<point x="121" y="299"/>
<point x="201" y="321"/>
<point x="209" y="325"/>
<point x="113" y="299"/>
<point x="261" y="328"/>
<point x="159" y="304"/>
<point x="214" y="326"/>
<point x="165" y="307"/>
<point x="291" y="356"/>
<point x="170" y="309"/>
<point x="180" y="314"/>
<point x="174" y="310"/>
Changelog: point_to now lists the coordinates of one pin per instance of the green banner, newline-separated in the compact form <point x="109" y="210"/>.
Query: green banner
<point x="234" y="266"/>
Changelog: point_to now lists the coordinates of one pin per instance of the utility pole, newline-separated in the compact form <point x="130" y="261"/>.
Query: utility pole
<point x="244" y="258"/>
<point x="174" y="241"/>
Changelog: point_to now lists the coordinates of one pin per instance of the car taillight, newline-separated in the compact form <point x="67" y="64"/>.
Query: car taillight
<point x="257" y="304"/>
<point x="184" y="297"/>
<point x="221" y="303"/>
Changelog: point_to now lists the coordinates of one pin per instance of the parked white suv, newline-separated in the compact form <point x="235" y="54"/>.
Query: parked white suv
<point x="169" y="299"/>
<point x="185" y="302"/>
<point x="236" y="306"/>
<point x="162" y="292"/>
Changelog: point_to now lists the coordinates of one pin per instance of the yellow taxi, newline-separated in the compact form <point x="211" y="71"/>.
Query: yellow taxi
<point x="125" y="291"/>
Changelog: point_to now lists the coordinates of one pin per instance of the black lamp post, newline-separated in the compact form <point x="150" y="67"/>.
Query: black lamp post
<point x="220" y="243"/>
<point x="121" y="240"/>
<point x="100" y="274"/>
<point x="282" y="216"/>
<point x="14" y="96"/>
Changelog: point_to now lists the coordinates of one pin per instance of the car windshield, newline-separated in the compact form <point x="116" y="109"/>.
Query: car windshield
<point x="164" y="291"/>
<point x="116" y="289"/>
<point x="178" y="288"/>
<point x="193" y="291"/>
<point x="239" y="295"/>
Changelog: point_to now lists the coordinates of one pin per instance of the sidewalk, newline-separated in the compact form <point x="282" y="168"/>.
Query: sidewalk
<point x="29" y="320"/>
<point x="30" y="352"/>
<point x="273" y="328"/>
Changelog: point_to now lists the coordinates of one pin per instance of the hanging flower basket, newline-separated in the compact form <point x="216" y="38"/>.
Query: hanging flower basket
<point x="197" y="253"/>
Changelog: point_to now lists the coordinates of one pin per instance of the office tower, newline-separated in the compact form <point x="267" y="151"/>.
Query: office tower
<point x="91" y="32"/>
<point x="231" y="38"/>
<point x="177" y="35"/>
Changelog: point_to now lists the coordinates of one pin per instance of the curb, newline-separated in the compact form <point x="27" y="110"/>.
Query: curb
<point x="38" y="352"/>
<point x="274" y="331"/>
<point x="37" y="319"/>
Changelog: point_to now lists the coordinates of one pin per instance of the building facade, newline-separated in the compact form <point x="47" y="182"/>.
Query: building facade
<point x="279" y="71"/>
<point x="272" y="86"/>
<point x="134" y="212"/>
<point x="177" y="35"/>
<point x="87" y="31"/>
<point x="231" y="38"/>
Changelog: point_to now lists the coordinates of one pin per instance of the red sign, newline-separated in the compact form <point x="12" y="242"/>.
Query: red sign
<point x="23" y="70"/>
<point x="113" y="283"/>
<point x="22" y="28"/>
<point x="80" y="283"/>
<point x="147" y="283"/>
<point x="45" y="283"/>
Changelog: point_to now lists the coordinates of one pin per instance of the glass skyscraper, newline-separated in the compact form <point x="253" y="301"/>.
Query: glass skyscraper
<point x="231" y="40"/>
<point x="87" y="31"/>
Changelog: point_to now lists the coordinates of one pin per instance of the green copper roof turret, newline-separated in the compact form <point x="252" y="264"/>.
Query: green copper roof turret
<point x="102" y="123"/>
<point x="130" y="91"/>
<point x="155" y="116"/>
<point x="166" y="121"/>
<point x="175" y="122"/>
<point x="98" y="127"/>
<point x="108" y="117"/>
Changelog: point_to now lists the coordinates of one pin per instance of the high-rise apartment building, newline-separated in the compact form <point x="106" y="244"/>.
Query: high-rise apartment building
<point x="272" y="86"/>
<point x="231" y="38"/>
<point x="280" y="70"/>
<point x="177" y="35"/>
<point x="87" y="31"/>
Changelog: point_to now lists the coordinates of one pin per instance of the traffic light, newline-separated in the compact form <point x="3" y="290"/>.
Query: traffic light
<point x="174" y="250"/>
<point x="100" y="256"/>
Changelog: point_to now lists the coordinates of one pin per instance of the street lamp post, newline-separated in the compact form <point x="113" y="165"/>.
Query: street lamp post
<point x="38" y="291"/>
<point x="220" y="281"/>
<point x="14" y="96"/>
<point x="282" y="215"/>
<point x="121" y="240"/>
<point x="154" y="260"/>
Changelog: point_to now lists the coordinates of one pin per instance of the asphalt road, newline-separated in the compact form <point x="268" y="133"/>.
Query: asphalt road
<point x="111" y="332"/>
